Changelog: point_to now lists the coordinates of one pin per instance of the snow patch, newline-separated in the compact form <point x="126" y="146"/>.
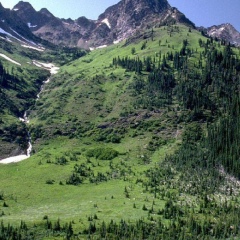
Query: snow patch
<point x="7" y="39"/>
<point x="20" y="158"/>
<point x="116" y="41"/>
<point x="9" y="59"/>
<point x="106" y="22"/>
<point x="23" y="37"/>
<point x="15" y="9"/>
<point x="10" y="35"/>
<point x="38" y="49"/>
<point x="14" y="159"/>
<point x="31" y="26"/>
<point x="103" y="46"/>
<point x="48" y="66"/>
<point x="3" y="20"/>
<point x="100" y="47"/>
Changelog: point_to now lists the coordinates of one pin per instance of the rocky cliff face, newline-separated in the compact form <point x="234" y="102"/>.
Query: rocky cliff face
<point x="13" y="25"/>
<point x="226" y="32"/>
<point x="118" y="22"/>
<point x="31" y="17"/>
<point x="124" y="18"/>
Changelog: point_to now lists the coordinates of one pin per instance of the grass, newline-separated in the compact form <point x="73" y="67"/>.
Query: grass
<point x="87" y="93"/>
<point x="90" y="91"/>
<point x="30" y="198"/>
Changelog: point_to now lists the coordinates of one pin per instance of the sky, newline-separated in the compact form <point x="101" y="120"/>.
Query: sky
<point x="202" y="12"/>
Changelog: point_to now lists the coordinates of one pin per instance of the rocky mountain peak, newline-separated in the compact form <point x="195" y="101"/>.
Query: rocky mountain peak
<point x="153" y="5"/>
<point x="118" y="22"/>
<point x="34" y="19"/>
<point x="24" y="6"/>
<point x="45" y="12"/>
<point x="127" y="16"/>
<point x="226" y="32"/>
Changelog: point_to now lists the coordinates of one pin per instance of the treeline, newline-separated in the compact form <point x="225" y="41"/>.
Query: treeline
<point x="47" y="229"/>
<point x="189" y="227"/>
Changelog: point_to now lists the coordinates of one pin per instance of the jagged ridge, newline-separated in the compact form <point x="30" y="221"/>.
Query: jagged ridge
<point x="118" y="22"/>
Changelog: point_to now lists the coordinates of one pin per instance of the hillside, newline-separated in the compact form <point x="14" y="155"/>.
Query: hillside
<point x="138" y="140"/>
<point x="20" y="84"/>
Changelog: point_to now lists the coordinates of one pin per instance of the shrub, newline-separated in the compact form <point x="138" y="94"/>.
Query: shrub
<point x="102" y="153"/>
<point x="49" y="181"/>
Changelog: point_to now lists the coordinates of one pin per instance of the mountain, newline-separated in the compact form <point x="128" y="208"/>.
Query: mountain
<point x="226" y="32"/>
<point x="46" y="26"/>
<point x="126" y="17"/>
<point x="31" y="17"/>
<point x="139" y="140"/>
<point x="11" y="25"/>
<point x="118" y="22"/>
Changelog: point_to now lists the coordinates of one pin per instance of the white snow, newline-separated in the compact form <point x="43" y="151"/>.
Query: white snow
<point x="31" y="26"/>
<point x="106" y="22"/>
<point x="100" y="47"/>
<point x="38" y="49"/>
<point x="14" y="159"/>
<point x="20" y="158"/>
<point x="7" y="39"/>
<point x="117" y="41"/>
<point x="103" y="46"/>
<point x="49" y="66"/>
<point x="53" y="69"/>
<point x="9" y="59"/>
<point x="4" y="32"/>
<point x="3" y="20"/>
<point x="23" y="37"/>
<point x="15" y="9"/>
<point x="10" y="35"/>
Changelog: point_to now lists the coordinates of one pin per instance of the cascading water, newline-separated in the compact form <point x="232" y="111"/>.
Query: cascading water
<point x="53" y="70"/>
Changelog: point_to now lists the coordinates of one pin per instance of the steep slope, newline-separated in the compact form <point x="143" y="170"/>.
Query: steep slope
<point x="127" y="140"/>
<point x="225" y="32"/>
<point x="126" y="134"/>
<point x="44" y="24"/>
<point x="21" y="79"/>
<point x="116" y="23"/>
<point x="12" y="25"/>
<point x="31" y="17"/>
<point x="126" y="17"/>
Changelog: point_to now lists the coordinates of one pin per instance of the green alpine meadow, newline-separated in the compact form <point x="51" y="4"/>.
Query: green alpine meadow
<point x="139" y="139"/>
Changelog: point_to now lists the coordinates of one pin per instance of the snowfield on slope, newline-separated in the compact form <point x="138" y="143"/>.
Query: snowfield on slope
<point x="10" y="35"/>
<point x="9" y="59"/>
<point x="106" y="22"/>
<point x="48" y="66"/>
<point x="38" y="49"/>
<point x="14" y="159"/>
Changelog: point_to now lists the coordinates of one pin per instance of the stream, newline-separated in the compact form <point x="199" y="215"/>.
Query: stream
<point x="53" y="70"/>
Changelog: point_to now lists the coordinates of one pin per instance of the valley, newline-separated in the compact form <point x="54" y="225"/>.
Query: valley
<point x="136" y="140"/>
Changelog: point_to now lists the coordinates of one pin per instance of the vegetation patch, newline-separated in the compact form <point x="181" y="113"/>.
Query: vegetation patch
<point x="102" y="153"/>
